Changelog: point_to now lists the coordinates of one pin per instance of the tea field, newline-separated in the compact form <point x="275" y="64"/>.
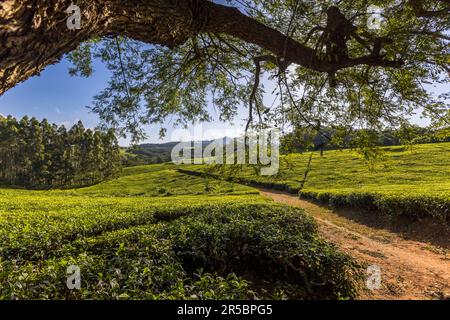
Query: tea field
<point x="159" y="233"/>
<point x="406" y="182"/>
<point x="155" y="233"/>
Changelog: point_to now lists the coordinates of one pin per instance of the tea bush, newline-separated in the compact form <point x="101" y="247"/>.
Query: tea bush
<point x="413" y="183"/>
<point x="227" y="250"/>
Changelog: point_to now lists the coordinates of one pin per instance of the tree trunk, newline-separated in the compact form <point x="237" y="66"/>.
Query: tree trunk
<point x="34" y="33"/>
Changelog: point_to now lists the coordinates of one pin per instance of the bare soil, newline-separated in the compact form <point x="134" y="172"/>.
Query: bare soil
<point x="413" y="257"/>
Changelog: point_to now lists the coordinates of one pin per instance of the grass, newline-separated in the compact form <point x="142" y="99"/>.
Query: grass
<point x="415" y="183"/>
<point x="197" y="239"/>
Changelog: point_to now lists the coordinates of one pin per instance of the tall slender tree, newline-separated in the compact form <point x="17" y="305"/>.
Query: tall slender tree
<point x="36" y="154"/>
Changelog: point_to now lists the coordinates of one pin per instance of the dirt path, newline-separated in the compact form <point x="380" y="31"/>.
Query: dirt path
<point x="410" y="269"/>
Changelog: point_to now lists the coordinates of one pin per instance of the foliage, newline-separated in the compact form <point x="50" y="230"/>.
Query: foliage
<point x="165" y="181"/>
<point x="147" y="154"/>
<point x="37" y="154"/>
<point x="407" y="204"/>
<point x="414" y="184"/>
<point x="305" y="139"/>
<point x="173" y="247"/>
<point x="151" y="84"/>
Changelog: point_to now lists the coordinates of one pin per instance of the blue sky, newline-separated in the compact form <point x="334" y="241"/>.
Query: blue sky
<point x="56" y="96"/>
<point x="62" y="99"/>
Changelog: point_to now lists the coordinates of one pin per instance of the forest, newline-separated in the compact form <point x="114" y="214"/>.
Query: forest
<point x="39" y="155"/>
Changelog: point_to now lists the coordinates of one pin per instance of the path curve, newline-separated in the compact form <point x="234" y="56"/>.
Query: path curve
<point x="410" y="269"/>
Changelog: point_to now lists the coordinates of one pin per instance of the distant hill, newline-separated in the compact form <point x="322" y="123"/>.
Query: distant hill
<point x="151" y="153"/>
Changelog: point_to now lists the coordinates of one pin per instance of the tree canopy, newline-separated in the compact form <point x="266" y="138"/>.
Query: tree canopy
<point x="335" y="64"/>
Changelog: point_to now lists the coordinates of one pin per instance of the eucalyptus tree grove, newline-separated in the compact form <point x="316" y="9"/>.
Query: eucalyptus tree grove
<point x="347" y="63"/>
<point x="37" y="154"/>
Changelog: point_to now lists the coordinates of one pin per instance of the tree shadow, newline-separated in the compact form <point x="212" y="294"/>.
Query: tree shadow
<point x="427" y="230"/>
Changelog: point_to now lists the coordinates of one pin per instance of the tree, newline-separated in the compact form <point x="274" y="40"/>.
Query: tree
<point x="409" y="134"/>
<point x="171" y="57"/>
<point x="38" y="155"/>
<point x="99" y="157"/>
<point x="50" y="144"/>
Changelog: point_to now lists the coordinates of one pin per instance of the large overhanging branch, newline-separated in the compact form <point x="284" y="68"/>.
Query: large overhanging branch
<point x="34" y="34"/>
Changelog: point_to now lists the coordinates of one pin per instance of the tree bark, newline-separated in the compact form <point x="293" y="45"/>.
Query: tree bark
<point x="34" y="33"/>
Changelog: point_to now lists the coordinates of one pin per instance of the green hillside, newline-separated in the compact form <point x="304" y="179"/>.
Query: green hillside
<point x="409" y="182"/>
<point x="157" y="233"/>
<point x="199" y="239"/>
<point x="161" y="180"/>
